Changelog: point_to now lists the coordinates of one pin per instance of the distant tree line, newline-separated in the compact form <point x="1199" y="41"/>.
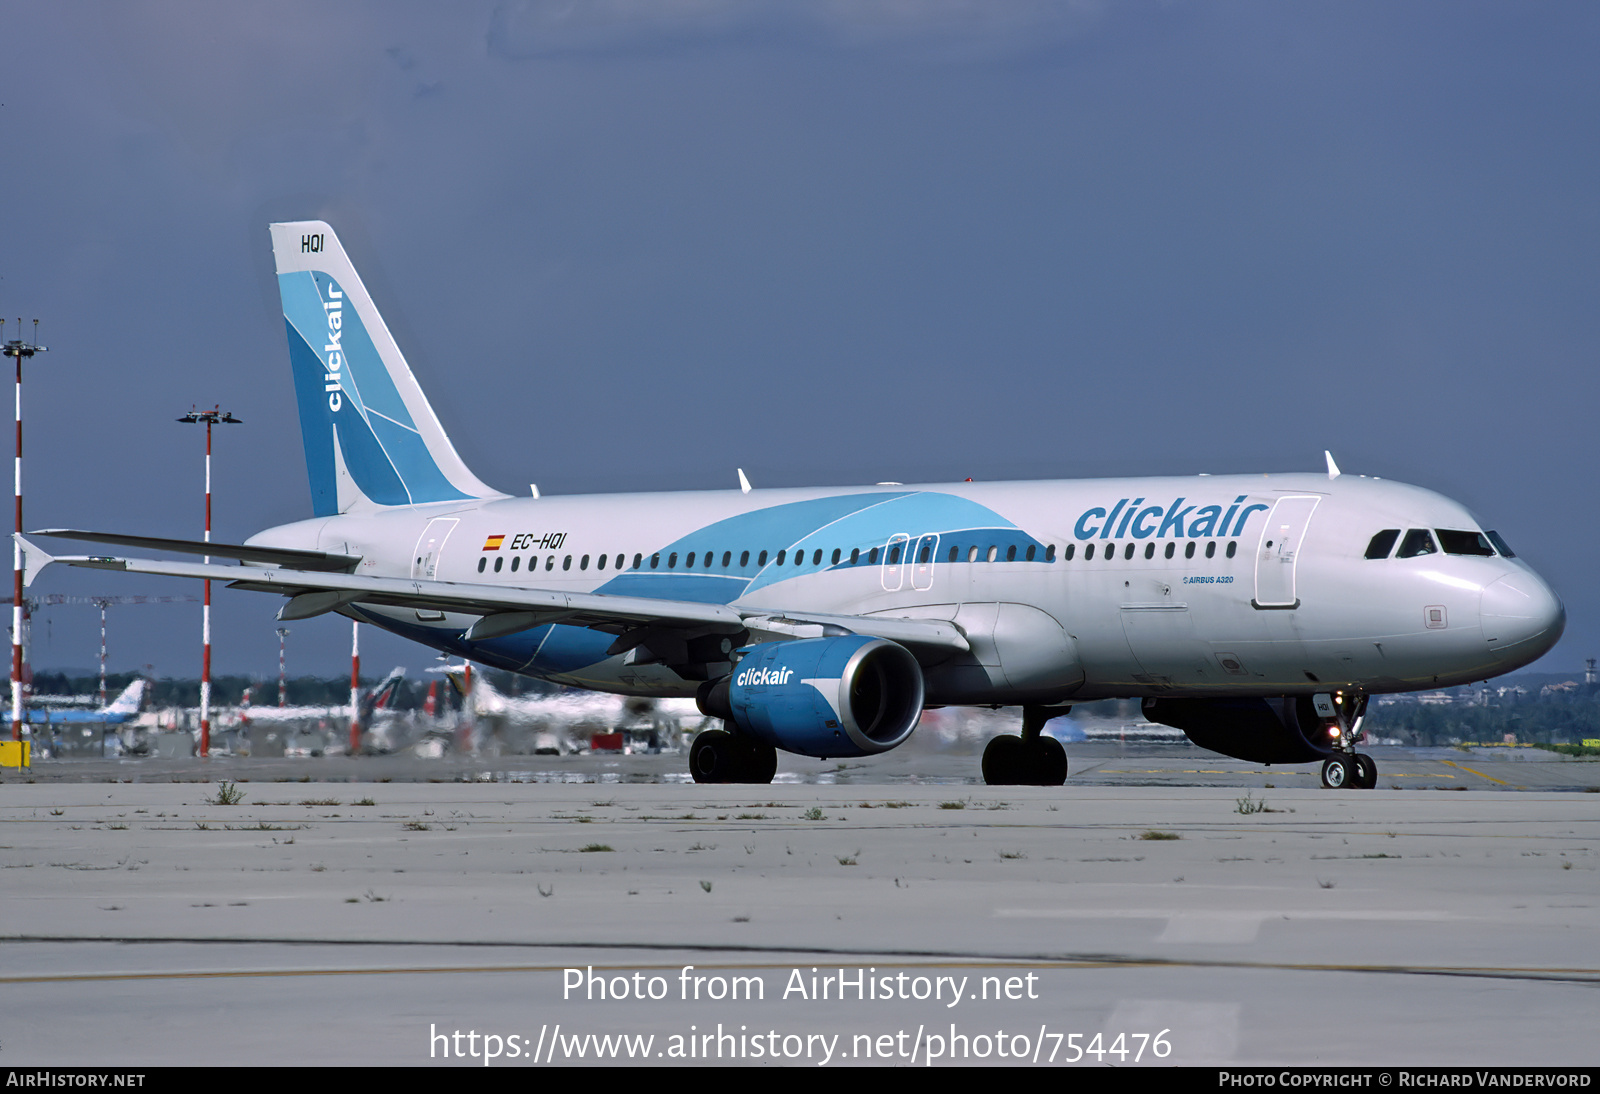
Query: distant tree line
<point x="1544" y="720"/>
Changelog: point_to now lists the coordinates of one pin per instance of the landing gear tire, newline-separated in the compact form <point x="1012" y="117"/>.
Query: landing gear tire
<point x="1002" y="760"/>
<point x="1337" y="772"/>
<point x="759" y="762"/>
<point x="717" y="756"/>
<point x="1009" y="760"/>
<point x="1050" y="762"/>
<point x="1364" y="774"/>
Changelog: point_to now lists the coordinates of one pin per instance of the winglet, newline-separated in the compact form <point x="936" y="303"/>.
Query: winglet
<point x="744" y="483"/>
<point x="34" y="558"/>
<point x="1333" y="468"/>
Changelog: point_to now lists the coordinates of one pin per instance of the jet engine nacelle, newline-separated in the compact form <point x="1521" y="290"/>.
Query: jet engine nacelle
<point x="1280" y="730"/>
<point x="844" y="696"/>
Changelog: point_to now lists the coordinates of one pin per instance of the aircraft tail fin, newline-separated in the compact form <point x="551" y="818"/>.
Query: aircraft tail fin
<point x="129" y="701"/>
<point x="371" y="439"/>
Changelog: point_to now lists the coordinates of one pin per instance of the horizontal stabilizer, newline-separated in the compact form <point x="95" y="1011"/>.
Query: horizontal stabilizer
<point x="288" y="558"/>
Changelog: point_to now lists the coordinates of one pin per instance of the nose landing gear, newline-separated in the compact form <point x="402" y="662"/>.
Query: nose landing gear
<point x="1346" y="768"/>
<point x="1031" y="759"/>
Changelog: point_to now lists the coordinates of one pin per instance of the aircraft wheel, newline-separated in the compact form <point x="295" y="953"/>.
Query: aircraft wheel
<point x="1336" y="772"/>
<point x="759" y="762"/>
<point x="1365" y="773"/>
<point x="1047" y="763"/>
<point x="713" y="757"/>
<point x="1003" y="760"/>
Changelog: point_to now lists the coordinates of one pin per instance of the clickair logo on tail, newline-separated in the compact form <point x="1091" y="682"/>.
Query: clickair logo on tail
<point x="1175" y="520"/>
<point x="332" y="383"/>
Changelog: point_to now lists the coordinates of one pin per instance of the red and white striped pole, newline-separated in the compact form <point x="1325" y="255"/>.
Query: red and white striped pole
<point x="210" y="418"/>
<point x="103" y="604"/>
<point x="355" y="687"/>
<point x="18" y="349"/>
<point x="283" y="679"/>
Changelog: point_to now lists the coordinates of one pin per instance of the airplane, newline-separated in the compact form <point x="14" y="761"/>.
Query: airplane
<point x="124" y="708"/>
<point x="557" y="721"/>
<point x="1258" y="614"/>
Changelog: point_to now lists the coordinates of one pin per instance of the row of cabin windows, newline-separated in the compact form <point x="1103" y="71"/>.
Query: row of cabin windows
<point x="1420" y="541"/>
<point x="708" y="560"/>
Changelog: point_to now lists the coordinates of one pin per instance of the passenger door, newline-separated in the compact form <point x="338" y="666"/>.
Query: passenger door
<point x="1277" y="559"/>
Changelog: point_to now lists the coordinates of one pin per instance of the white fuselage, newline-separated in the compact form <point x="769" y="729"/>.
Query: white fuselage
<point x="1204" y="586"/>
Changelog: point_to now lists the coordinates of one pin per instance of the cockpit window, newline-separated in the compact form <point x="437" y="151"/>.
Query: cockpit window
<point x="1383" y="543"/>
<point x="1464" y="543"/>
<point x="1418" y="541"/>
<point x="1499" y="544"/>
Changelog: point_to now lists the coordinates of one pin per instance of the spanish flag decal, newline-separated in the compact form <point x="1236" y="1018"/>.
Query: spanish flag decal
<point x="493" y="543"/>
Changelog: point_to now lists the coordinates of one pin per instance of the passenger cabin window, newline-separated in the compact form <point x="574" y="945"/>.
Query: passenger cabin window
<point x="1383" y="543"/>
<point x="1211" y="549"/>
<point x="1088" y="552"/>
<point x="498" y="563"/>
<point x="955" y="553"/>
<point x="762" y="561"/>
<point x="1149" y="550"/>
<point x="744" y="559"/>
<point x="727" y="557"/>
<point x="1050" y="552"/>
<point x="482" y="562"/>
<point x="1072" y="549"/>
<point x="1418" y="541"/>
<point x="1500" y="544"/>
<point x="816" y="557"/>
<point x="1030" y="552"/>
<point x="1188" y="549"/>
<point x="583" y="563"/>
<point x="1464" y="543"/>
<point x="1171" y="548"/>
<point x="566" y="563"/>
<point x="638" y="560"/>
<point x="1127" y="552"/>
<point x="600" y="563"/>
<point x="1233" y="548"/>
<point x="872" y="557"/>
<point x="855" y="555"/>
<point x="836" y="556"/>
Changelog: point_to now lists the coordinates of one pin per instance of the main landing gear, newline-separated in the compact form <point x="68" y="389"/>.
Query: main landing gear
<point x="1346" y="768"/>
<point x="717" y="756"/>
<point x="1031" y="759"/>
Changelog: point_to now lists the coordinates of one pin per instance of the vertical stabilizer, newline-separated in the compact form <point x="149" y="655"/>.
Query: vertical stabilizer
<point x="371" y="438"/>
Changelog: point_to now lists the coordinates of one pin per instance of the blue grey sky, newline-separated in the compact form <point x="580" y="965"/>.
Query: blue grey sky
<point x="633" y="244"/>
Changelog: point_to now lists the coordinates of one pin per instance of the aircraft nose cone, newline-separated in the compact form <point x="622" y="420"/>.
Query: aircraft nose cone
<point x="1522" y="617"/>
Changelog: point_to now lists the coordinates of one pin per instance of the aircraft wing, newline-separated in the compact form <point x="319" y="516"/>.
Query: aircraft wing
<point x="280" y="556"/>
<point x="506" y="610"/>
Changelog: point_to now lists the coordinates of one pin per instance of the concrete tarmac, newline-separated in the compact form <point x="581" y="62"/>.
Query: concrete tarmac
<point x="348" y="923"/>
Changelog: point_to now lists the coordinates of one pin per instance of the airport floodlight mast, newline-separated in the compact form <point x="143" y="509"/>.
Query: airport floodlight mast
<point x="355" y="687"/>
<point x="283" y="679"/>
<point x="33" y="604"/>
<point x="19" y="350"/>
<point x="213" y="417"/>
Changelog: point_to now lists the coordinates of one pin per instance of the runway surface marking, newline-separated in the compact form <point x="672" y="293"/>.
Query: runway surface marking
<point x="1098" y="961"/>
